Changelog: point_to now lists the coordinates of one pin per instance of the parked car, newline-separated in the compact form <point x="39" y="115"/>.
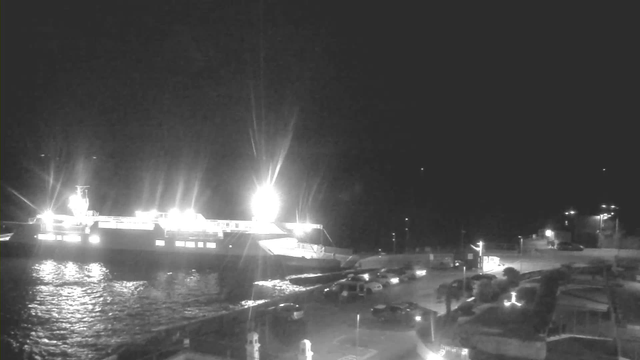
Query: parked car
<point x="400" y="273"/>
<point x="287" y="311"/>
<point x="370" y="286"/>
<point x="407" y="313"/>
<point x="567" y="246"/>
<point x="455" y="287"/>
<point x="385" y="278"/>
<point x="414" y="273"/>
<point x="351" y="289"/>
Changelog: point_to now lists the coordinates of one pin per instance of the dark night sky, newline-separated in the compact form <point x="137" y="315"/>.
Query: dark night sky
<point x="512" y="113"/>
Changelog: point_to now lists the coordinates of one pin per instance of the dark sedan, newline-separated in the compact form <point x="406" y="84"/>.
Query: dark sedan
<point x="407" y="313"/>
<point x="567" y="246"/>
<point x="287" y="311"/>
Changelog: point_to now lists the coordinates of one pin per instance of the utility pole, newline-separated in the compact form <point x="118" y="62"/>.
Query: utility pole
<point x="406" y="229"/>
<point x="393" y="238"/>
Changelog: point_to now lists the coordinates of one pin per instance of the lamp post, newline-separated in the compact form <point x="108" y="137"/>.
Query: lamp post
<point x="393" y="239"/>
<point x="406" y="229"/>
<point x="605" y="215"/>
<point x="571" y="214"/>
<point x="357" y="335"/>
<point x="480" y="260"/>
<point x="521" y="251"/>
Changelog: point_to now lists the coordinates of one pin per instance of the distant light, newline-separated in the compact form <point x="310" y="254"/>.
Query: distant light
<point x="41" y="155"/>
<point x="94" y="157"/>
<point x="94" y="239"/>
<point x="604" y="169"/>
<point x="603" y="205"/>
<point x="421" y="169"/>
<point x="265" y="204"/>
<point x="406" y="219"/>
<point x="418" y="318"/>
<point x="548" y="233"/>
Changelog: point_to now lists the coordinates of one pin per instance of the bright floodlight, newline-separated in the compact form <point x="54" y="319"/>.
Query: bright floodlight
<point x="78" y="205"/>
<point x="47" y="217"/>
<point x="265" y="204"/>
<point x="548" y="233"/>
<point x="174" y="213"/>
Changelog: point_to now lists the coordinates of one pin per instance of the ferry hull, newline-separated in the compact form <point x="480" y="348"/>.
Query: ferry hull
<point x="139" y="247"/>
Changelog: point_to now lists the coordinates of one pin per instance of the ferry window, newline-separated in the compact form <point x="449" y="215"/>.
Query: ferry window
<point x="159" y="242"/>
<point x="191" y="244"/>
<point x="211" y="245"/>
<point x="200" y="244"/>
<point x="180" y="243"/>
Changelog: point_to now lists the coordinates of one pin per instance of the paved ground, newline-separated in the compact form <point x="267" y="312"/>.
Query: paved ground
<point x="332" y="328"/>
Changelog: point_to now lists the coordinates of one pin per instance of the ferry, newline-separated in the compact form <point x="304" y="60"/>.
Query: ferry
<point x="180" y="232"/>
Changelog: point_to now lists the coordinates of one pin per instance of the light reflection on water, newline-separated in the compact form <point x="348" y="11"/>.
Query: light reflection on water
<point x="70" y="310"/>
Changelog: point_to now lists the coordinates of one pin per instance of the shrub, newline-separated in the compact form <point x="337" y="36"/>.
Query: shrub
<point x="512" y="275"/>
<point x="545" y="303"/>
<point x="483" y="291"/>
<point x="500" y="287"/>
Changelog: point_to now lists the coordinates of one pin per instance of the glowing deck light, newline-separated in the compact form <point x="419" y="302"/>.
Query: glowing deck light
<point x="72" y="238"/>
<point x="94" y="239"/>
<point x="148" y="215"/>
<point x="78" y="205"/>
<point x="513" y="300"/>
<point x="174" y="213"/>
<point x="265" y="204"/>
<point x="49" y="237"/>
<point x="47" y="217"/>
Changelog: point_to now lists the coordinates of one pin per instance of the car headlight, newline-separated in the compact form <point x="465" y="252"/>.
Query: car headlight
<point x="394" y="280"/>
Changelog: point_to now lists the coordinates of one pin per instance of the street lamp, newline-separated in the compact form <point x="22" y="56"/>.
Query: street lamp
<point x="406" y="229"/>
<point x="393" y="238"/>
<point x="571" y="213"/>
<point x="550" y="235"/>
<point x="479" y="249"/>
<point x="605" y="215"/>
